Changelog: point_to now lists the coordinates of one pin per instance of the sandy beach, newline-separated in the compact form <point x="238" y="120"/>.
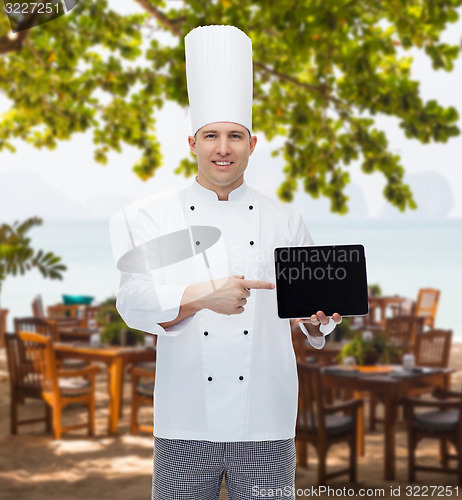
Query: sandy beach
<point x="34" y="466"/>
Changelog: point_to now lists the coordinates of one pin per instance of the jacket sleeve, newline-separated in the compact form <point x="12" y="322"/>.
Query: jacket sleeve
<point x="302" y="237"/>
<point x="144" y="300"/>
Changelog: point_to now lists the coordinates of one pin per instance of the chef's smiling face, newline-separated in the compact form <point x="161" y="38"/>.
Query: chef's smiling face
<point x="222" y="151"/>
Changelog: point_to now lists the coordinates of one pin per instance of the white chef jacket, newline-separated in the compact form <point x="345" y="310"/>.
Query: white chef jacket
<point x="219" y="377"/>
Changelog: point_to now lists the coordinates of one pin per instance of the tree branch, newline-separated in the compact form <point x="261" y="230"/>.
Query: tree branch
<point x="36" y="54"/>
<point x="168" y="23"/>
<point x="321" y="89"/>
<point x="15" y="41"/>
<point x="160" y="16"/>
<point x="12" y="42"/>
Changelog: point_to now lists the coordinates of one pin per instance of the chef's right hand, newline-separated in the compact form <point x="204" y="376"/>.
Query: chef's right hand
<point x="226" y="295"/>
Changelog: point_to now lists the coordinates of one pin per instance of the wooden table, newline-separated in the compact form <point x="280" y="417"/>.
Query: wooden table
<point x="116" y="359"/>
<point x="60" y="311"/>
<point x="328" y="355"/>
<point x="389" y="389"/>
<point x="381" y="304"/>
<point x="304" y="350"/>
<point x="74" y="334"/>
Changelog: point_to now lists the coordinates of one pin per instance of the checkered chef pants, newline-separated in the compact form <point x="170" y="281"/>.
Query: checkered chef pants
<point x="193" y="470"/>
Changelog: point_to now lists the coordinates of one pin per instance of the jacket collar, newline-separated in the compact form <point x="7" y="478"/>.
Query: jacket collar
<point x="207" y="194"/>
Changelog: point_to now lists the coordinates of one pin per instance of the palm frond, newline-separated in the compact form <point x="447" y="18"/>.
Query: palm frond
<point x="18" y="256"/>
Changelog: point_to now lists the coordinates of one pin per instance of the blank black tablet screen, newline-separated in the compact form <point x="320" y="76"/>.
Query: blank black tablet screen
<point x="330" y="278"/>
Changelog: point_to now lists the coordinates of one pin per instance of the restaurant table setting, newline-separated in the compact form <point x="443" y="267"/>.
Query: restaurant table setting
<point x="389" y="384"/>
<point x="116" y="359"/>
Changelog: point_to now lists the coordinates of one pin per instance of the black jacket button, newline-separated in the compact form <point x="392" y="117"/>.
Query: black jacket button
<point x="246" y="332"/>
<point x="192" y="207"/>
<point x="252" y="242"/>
<point x="241" y="378"/>
<point x="250" y="207"/>
<point x="209" y="379"/>
<point x="206" y="333"/>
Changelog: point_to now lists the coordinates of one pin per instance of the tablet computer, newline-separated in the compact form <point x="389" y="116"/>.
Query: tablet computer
<point x="328" y="278"/>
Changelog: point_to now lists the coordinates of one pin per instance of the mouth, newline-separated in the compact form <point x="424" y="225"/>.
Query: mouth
<point x="222" y="163"/>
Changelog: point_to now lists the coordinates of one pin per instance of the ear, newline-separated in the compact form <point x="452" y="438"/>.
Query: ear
<point x="192" y="143"/>
<point x="253" y="143"/>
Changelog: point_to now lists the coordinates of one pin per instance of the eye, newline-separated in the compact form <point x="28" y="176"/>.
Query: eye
<point x="236" y="136"/>
<point x="208" y="136"/>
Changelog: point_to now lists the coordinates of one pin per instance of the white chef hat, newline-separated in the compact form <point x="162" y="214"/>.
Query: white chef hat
<point x="219" y="76"/>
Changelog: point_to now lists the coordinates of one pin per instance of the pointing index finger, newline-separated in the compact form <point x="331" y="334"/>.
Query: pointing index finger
<point x="255" y="284"/>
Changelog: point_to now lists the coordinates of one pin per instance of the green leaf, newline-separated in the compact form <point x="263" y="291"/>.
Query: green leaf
<point x="17" y="255"/>
<point x="319" y="69"/>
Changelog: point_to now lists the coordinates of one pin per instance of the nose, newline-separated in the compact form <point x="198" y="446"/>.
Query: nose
<point x="223" y="147"/>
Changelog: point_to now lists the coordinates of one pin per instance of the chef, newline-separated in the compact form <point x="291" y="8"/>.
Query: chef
<point x="225" y="399"/>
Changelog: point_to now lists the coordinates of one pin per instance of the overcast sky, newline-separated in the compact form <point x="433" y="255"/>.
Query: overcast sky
<point x="70" y="171"/>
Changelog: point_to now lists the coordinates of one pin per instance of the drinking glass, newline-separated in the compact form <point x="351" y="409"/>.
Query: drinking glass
<point x="408" y="361"/>
<point x="349" y="362"/>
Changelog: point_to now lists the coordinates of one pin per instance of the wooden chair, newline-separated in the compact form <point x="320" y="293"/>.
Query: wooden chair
<point x="298" y="341"/>
<point x="402" y="331"/>
<point x="37" y="307"/>
<point x="443" y="422"/>
<point x="404" y="308"/>
<point x="432" y="348"/>
<point x="143" y="377"/>
<point x="37" y="325"/>
<point x="319" y="425"/>
<point x="50" y="329"/>
<point x="23" y="384"/>
<point x="66" y="316"/>
<point x="38" y="311"/>
<point x="60" y="312"/>
<point x="59" y="388"/>
<point x="371" y="320"/>
<point x="3" y="315"/>
<point x="427" y="305"/>
<point x="306" y="353"/>
<point x="90" y="316"/>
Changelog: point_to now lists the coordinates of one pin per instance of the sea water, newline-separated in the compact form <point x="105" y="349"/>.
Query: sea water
<point x="402" y="256"/>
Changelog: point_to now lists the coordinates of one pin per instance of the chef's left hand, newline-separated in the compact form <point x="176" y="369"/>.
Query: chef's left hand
<point x="312" y="323"/>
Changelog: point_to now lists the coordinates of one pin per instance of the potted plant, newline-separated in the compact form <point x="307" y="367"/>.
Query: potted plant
<point x="370" y="350"/>
<point x="113" y="327"/>
<point x="342" y="331"/>
<point x="374" y="290"/>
